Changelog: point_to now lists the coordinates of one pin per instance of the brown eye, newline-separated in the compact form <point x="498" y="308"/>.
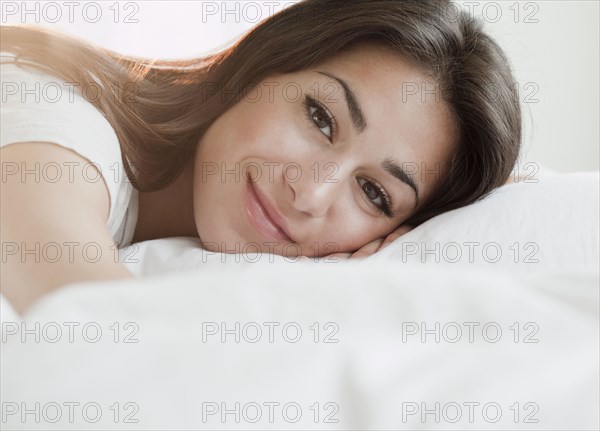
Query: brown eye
<point x="320" y="117"/>
<point x="377" y="196"/>
<point x="370" y="190"/>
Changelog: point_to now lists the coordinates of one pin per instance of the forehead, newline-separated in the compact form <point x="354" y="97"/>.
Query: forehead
<point x="371" y="62"/>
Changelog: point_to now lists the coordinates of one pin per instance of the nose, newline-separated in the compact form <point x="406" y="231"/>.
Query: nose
<point x="316" y="189"/>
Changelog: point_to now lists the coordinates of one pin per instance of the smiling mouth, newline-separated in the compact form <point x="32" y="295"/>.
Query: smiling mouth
<point x="259" y="215"/>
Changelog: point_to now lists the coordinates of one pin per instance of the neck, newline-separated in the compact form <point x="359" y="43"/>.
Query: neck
<point x="168" y="212"/>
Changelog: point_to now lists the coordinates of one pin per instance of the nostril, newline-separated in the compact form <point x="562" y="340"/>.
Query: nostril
<point x="249" y="177"/>
<point x="289" y="185"/>
<point x="293" y="193"/>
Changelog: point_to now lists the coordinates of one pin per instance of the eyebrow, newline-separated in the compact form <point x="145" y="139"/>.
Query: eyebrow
<point x="398" y="172"/>
<point x="356" y="113"/>
<point x="360" y="124"/>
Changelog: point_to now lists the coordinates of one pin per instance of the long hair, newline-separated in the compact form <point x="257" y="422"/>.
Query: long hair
<point x="161" y="109"/>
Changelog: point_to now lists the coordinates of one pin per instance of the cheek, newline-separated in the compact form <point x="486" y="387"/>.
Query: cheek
<point x="271" y="132"/>
<point x="350" y="228"/>
<point x="245" y="132"/>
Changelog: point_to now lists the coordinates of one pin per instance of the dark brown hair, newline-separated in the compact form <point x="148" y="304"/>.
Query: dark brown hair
<point x="175" y="102"/>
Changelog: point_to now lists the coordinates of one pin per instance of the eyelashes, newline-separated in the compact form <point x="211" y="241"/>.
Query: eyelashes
<point x="312" y="107"/>
<point x="386" y="202"/>
<point x="326" y="119"/>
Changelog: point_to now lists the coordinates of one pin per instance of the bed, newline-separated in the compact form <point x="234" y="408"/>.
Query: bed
<point x="486" y="317"/>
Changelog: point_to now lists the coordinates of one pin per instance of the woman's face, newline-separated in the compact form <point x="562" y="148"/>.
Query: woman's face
<point x="274" y="174"/>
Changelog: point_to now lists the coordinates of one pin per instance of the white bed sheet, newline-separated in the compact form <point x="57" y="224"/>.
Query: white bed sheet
<point x="372" y="377"/>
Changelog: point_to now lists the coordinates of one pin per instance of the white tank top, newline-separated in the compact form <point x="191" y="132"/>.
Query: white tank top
<point x="40" y="107"/>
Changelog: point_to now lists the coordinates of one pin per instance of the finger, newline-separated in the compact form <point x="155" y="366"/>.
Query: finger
<point x="402" y="230"/>
<point x="393" y="237"/>
<point x="368" y="249"/>
<point x="336" y="257"/>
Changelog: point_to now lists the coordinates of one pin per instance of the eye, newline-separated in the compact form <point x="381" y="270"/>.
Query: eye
<point x="321" y="117"/>
<point x="378" y="196"/>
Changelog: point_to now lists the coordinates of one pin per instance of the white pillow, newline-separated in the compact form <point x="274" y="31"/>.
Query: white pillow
<point x="550" y="223"/>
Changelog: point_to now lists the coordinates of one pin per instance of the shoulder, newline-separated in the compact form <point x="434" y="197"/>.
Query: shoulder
<point x="44" y="103"/>
<point x="40" y="107"/>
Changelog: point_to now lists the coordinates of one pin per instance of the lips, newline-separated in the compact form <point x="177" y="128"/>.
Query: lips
<point x="264" y="216"/>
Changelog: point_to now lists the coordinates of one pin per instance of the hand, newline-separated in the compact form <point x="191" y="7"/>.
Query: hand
<point x="375" y="245"/>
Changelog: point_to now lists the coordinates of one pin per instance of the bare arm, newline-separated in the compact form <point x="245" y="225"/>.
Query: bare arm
<point x="53" y="232"/>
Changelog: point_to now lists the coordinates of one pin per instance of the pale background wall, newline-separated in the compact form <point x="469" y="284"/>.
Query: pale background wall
<point x="553" y="46"/>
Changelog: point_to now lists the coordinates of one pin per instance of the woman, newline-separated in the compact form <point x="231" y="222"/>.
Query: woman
<point x="330" y="128"/>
